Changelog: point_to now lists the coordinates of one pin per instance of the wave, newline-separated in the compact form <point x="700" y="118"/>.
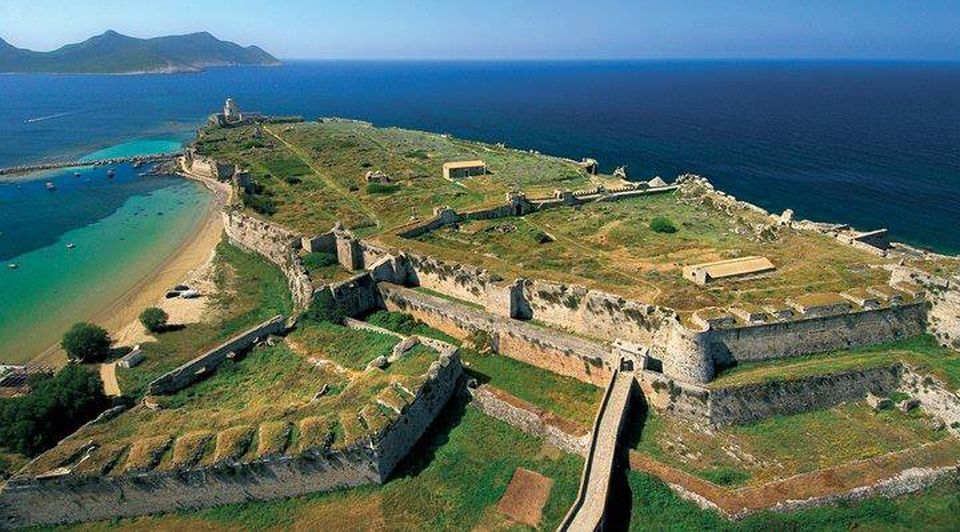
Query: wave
<point x="50" y="117"/>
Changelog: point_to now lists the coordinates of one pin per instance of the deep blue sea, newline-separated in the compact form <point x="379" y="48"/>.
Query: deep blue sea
<point x="871" y="144"/>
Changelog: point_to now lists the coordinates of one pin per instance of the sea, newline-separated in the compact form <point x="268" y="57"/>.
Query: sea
<point x="872" y="144"/>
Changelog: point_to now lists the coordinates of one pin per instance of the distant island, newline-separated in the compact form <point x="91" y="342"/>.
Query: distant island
<point x="114" y="53"/>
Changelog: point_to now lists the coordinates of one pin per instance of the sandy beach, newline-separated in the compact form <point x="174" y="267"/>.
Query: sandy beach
<point x="192" y="255"/>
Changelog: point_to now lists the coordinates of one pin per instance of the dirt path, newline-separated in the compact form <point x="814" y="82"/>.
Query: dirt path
<point x="108" y="374"/>
<point x="327" y="180"/>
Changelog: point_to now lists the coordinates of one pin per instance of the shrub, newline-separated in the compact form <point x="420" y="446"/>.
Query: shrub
<point x="325" y="308"/>
<point x="154" y="319"/>
<point x="394" y="321"/>
<point x="662" y="225"/>
<point x="380" y="188"/>
<point x="263" y="204"/>
<point x="86" y="342"/>
<point x="293" y="179"/>
<point x="55" y="407"/>
<point x="318" y="259"/>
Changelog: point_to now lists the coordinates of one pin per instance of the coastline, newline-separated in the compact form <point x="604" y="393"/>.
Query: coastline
<point x="195" y="251"/>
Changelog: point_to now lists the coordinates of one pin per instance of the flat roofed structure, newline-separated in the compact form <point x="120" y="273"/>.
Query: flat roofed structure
<point x="461" y="169"/>
<point x="887" y="292"/>
<point x="727" y="269"/>
<point x="749" y="312"/>
<point x="822" y="304"/>
<point x="862" y="297"/>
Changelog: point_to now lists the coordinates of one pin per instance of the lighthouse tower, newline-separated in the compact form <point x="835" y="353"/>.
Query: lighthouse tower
<point x="230" y="111"/>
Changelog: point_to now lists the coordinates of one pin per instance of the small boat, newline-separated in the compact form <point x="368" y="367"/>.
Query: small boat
<point x="13" y="266"/>
<point x="51" y="186"/>
<point x="111" y="172"/>
<point x="76" y="174"/>
<point x="71" y="245"/>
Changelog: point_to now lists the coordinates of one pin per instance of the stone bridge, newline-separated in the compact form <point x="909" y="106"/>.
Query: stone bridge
<point x="587" y="512"/>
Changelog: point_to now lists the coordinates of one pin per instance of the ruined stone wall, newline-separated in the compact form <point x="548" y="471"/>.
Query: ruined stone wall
<point x="443" y="378"/>
<point x="276" y="244"/>
<point x="545" y="348"/>
<point x="52" y="501"/>
<point x="456" y="280"/>
<point x="594" y="313"/>
<point x="357" y="295"/>
<point x="693" y="356"/>
<point x="943" y="319"/>
<point x="934" y="397"/>
<point x="531" y="420"/>
<point x="755" y="402"/>
<point x="203" y="166"/>
<point x="202" y="365"/>
<point x="45" y="501"/>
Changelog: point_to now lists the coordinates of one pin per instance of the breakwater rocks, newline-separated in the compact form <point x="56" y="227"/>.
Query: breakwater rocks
<point x="138" y="159"/>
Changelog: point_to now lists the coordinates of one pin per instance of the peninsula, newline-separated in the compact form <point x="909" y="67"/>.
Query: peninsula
<point x="391" y="311"/>
<point x="114" y="53"/>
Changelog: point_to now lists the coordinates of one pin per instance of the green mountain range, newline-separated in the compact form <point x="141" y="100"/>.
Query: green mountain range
<point x="113" y="53"/>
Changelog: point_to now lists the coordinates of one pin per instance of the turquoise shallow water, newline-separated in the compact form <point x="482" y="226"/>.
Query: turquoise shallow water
<point x="136" y="147"/>
<point x="122" y="228"/>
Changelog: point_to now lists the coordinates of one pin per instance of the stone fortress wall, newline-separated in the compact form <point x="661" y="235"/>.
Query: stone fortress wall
<point x="55" y="499"/>
<point x="194" y="370"/>
<point x="276" y="244"/>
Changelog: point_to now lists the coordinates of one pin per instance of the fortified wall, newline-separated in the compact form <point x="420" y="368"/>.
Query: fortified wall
<point x="750" y="403"/>
<point x="695" y="355"/>
<point x="943" y="319"/>
<point x="276" y="244"/>
<point x="62" y="497"/>
<point x="207" y="167"/>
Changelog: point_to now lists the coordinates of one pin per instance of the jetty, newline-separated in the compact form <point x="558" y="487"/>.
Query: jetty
<point x="54" y="165"/>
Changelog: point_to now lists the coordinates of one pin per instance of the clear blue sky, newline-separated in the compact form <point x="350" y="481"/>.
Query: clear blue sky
<point x="515" y="29"/>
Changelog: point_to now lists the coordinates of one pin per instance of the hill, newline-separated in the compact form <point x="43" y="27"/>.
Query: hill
<point x="113" y="53"/>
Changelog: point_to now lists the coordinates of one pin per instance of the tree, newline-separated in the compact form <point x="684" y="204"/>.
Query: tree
<point x="55" y="407"/>
<point x="86" y="342"/>
<point x="662" y="225"/>
<point x="325" y="308"/>
<point x="154" y="319"/>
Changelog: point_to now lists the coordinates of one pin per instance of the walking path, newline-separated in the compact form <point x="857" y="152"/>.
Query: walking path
<point x="586" y="514"/>
<point x="108" y="374"/>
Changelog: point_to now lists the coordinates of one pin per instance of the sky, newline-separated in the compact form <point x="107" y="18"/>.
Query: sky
<point x="515" y="29"/>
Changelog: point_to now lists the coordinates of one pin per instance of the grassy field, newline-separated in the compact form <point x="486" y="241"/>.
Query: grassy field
<point x="348" y="347"/>
<point x="923" y="352"/>
<point x="782" y="446"/>
<point x="611" y="246"/>
<point x="328" y="162"/>
<point x="250" y="290"/>
<point x="563" y="396"/>
<point x="656" y="507"/>
<point x="267" y="402"/>
<point x="452" y="481"/>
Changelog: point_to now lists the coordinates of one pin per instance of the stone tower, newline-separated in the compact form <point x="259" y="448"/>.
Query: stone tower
<point x="230" y="111"/>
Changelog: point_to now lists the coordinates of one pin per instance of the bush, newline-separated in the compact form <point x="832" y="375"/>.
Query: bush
<point x="380" y="188"/>
<point x="662" y="225"/>
<point x="263" y="204"/>
<point x="86" y="342"/>
<point x="325" y="309"/>
<point x="393" y="321"/>
<point x="318" y="259"/>
<point x="55" y="407"/>
<point x="293" y="179"/>
<point x="154" y="319"/>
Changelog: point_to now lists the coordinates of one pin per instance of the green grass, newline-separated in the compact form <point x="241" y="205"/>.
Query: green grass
<point x="405" y="324"/>
<point x="656" y="507"/>
<point x="921" y="351"/>
<point x="563" y="396"/>
<point x="450" y="482"/>
<point x="348" y="347"/>
<point x="250" y="290"/>
<point x="781" y="446"/>
<point x="441" y="295"/>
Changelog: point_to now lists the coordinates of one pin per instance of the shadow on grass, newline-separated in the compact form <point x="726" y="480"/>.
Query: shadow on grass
<point x="435" y="437"/>
<point x="620" y="500"/>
